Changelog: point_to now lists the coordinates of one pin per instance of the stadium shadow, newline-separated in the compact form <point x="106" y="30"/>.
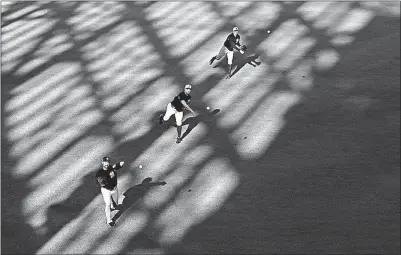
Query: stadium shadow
<point x="62" y="213"/>
<point x="14" y="228"/>
<point x="271" y="202"/>
<point x="328" y="175"/>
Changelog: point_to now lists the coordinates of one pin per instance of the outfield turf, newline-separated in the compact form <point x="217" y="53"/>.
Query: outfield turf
<point x="299" y="153"/>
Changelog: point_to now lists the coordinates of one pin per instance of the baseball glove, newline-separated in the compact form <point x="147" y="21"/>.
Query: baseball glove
<point x="244" y="48"/>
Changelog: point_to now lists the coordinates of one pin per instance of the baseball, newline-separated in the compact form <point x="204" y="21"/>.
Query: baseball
<point x="208" y="108"/>
<point x="268" y="31"/>
<point x="140" y="166"/>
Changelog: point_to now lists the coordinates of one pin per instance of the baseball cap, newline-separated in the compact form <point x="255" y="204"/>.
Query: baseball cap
<point x="106" y="159"/>
<point x="188" y="86"/>
<point x="235" y="29"/>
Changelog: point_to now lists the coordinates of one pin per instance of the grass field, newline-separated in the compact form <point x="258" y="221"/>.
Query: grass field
<point x="299" y="153"/>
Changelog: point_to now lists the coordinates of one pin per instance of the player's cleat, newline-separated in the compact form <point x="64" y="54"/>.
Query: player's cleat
<point x="161" y="118"/>
<point x="228" y="76"/>
<point x="111" y="223"/>
<point x="211" y="60"/>
<point x="179" y="139"/>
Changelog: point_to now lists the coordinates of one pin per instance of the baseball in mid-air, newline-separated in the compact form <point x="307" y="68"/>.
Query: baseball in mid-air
<point x="208" y="108"/>
<point x="140" y="166"/>
<point x="268" y="31"/>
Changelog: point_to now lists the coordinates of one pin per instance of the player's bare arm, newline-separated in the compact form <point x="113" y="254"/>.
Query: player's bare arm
<point x="237" y="46"/>
<point x="187" y="107"/>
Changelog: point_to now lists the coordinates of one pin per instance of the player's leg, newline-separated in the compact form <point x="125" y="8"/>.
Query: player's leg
<point x="230" y="56"/>
<point x="212" y="60"/>
<point x="169" y="111"/>
<point x="223" y="51"/>
<point x="220" y="55"/>
<point x="114" y="196"/>
<point x="166" y="116"/>
<point x="161" y="116"/>
<point x="107" y="200"/>
<point x="178" y="120"/>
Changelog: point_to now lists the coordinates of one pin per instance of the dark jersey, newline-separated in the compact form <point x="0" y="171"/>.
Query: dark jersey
<point x="106" y="179"/>
<point x="231" y="41"/>
<point x="177" y="101"/>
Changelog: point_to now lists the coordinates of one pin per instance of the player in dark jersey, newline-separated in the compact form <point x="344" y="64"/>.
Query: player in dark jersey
<point x="231" y="43"/>
<point x="107" y="178"/>
<point x="177" y="107"/>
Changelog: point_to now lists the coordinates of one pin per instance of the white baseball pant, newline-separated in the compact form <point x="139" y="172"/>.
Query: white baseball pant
<point x="170" y="111"/>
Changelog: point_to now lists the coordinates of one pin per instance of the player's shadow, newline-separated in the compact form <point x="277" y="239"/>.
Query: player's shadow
<point x="241" y="62"/>
<point x="192" y="122"/>
<point x="134" y="194"/>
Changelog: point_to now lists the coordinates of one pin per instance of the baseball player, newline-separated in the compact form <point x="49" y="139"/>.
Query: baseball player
<point x="107" y="178"/>
<point x="176" y="107"/>
<point x="231" y="43"/>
